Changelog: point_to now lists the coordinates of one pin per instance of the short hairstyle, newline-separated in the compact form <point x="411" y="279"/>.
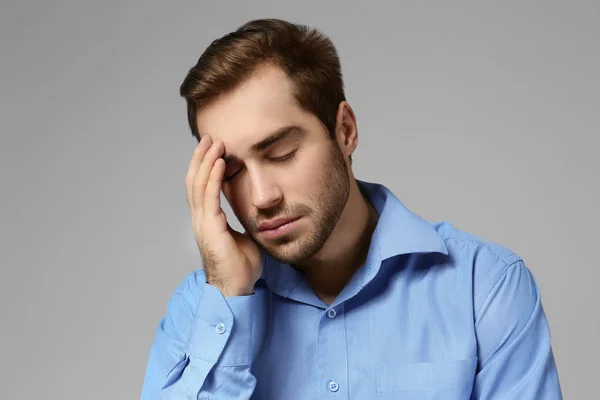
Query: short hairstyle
<point x="306" y="55"/>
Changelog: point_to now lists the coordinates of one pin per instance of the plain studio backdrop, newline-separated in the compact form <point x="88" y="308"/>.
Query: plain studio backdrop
<point x="484" y="115"/>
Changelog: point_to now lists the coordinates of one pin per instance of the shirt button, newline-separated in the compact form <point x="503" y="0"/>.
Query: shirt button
<point x="220" y="328"/>
<point x="333" y="386"/>
<point x="331" y="313"/>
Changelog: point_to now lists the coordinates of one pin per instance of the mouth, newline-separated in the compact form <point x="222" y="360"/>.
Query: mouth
<point x="277" y="227"/>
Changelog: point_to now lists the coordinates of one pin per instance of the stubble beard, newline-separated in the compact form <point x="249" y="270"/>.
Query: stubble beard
<point x="328" y="202"/>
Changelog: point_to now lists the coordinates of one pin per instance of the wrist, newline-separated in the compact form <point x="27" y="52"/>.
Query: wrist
<point x="234" y="291"/>
<point x="231" y="289"/>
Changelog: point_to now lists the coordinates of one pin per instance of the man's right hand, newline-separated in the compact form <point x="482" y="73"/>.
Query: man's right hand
<point x="232" y="260"/>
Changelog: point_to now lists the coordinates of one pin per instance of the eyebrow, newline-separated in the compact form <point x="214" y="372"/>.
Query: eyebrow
<point x="277" y="136"/>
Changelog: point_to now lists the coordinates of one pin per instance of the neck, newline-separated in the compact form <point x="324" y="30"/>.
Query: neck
<point x="345" y="251"/>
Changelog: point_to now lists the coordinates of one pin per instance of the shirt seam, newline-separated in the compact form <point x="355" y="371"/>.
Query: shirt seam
<point x="501" y="260"/>
<point x="216" y="362"/>
<point x="513" y="264"/>
<point x="524" y="328"/>
<point x="480" y="242"/>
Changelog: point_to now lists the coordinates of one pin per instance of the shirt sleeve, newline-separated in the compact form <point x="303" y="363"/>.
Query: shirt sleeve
<point x="514" y="350"/>
<point x="202" y="346"/>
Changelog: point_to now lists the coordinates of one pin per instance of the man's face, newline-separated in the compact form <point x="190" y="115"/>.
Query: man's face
<point x="303" y="175"/>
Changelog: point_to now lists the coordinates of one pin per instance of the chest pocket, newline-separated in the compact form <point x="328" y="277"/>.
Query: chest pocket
<point x="447" y="380"/>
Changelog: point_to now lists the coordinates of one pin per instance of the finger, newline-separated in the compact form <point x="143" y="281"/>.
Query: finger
<point x="197" y="157"/>
<point x="201" y="178"/>
<point x="212" y="196"/>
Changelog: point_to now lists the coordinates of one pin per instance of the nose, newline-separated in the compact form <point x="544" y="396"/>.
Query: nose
<point x="265" y="193"/>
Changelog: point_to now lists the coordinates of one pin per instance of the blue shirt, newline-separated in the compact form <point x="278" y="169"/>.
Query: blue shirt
<point x="434" y="313"/>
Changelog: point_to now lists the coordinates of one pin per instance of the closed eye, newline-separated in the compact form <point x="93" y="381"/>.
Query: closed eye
<point x="282" y="158"/>
<point x="230" y="177"/>
<point x="274" y="159"/>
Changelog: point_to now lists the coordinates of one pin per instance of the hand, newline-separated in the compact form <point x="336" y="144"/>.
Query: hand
<point x="232" y="260"/>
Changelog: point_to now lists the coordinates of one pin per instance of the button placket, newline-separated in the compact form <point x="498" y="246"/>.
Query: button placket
<point x="333" y="353"/>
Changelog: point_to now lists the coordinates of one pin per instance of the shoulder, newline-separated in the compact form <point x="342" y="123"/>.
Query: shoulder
<point x="457" y="240"/>
<point x="488" y="262"/>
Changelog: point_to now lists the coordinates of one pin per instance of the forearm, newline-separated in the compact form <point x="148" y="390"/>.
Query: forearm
<point x="214" y="360"/>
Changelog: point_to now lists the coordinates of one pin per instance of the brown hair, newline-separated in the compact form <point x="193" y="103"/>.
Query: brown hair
<point x="308" y="57"/>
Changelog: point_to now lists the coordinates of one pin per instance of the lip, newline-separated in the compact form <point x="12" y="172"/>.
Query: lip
<point x="278" y="227"/>
<point x="274" y="224"/>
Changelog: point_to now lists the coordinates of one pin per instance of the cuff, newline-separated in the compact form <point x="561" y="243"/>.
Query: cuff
<point x="222" y="328"/>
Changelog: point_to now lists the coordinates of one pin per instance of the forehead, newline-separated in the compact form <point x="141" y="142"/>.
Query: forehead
<point x="259" y="106"/>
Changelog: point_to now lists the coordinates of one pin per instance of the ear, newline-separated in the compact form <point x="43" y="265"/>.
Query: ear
<point x="346" y="131"/>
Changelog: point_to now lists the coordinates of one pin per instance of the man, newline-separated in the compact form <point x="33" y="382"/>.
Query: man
<point x="336" y="290"/>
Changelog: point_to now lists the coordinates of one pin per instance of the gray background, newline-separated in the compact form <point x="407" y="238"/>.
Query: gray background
<point x="485" y="115"/>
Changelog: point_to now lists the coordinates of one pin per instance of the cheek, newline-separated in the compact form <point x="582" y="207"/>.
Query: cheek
<point x="314" y="164"/>
<point x="306" y="175"/>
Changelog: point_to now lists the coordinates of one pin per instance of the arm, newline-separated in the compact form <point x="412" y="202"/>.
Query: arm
<point x="192" y="354"/>
<point x="202" y="346"/>
<point x="514" y="350"/>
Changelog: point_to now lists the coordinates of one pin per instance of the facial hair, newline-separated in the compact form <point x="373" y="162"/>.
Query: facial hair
<point x="327" y="204"/>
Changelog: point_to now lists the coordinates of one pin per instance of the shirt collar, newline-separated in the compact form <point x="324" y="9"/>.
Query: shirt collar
<point x="398" y="231"/>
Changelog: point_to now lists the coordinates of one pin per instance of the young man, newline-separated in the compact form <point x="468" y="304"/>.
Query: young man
<point x="336" y="290"/>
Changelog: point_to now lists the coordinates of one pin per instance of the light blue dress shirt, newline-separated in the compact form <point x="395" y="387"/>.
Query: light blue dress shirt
<point x="434" y="313"/>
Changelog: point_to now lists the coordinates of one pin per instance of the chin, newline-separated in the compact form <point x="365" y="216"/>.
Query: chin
<point x="293" y="251"/>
